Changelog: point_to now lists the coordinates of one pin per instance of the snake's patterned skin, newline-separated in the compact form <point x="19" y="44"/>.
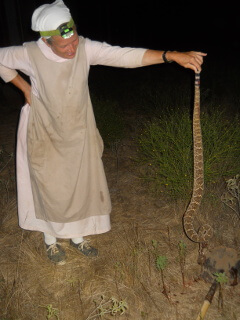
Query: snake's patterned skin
<point x="205" y="232"/>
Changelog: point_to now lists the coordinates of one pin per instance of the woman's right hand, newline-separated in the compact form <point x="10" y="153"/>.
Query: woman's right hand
<point x="27" y="94"/>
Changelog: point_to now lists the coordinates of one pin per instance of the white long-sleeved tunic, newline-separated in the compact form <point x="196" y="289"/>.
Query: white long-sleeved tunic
<point x="16" y="58"/>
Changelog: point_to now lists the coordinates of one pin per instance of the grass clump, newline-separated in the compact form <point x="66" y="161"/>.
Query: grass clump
<point x="110" y="306"/>
<point x="166" y="149"/>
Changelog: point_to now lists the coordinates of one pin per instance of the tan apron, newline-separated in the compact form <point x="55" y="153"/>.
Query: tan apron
<point x="64" y="145"/>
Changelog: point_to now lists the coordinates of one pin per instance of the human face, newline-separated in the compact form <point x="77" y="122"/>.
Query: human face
<point x="64" y="48"/>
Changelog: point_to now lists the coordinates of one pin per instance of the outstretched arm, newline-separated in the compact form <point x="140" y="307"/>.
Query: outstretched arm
<point x="192" y="59"/>
<point x="24" y="86"/>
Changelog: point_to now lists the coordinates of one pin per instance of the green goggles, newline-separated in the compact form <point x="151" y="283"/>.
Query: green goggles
<point x="65" y="31"/>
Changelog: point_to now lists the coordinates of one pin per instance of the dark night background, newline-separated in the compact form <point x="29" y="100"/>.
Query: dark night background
<point x="184" y="25"/>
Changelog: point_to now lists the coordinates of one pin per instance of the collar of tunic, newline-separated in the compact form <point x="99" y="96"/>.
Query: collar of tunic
<point x="48" y="53"/>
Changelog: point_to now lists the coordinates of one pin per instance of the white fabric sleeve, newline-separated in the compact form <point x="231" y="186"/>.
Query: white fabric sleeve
<point x="12" y="59"/>
<point x="7" y="74"/>
<point x="104" y="54"/>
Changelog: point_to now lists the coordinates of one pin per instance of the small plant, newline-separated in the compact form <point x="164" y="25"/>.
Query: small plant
<point x="52" y="312"/>
<point x="221" y="279"/>
<point x="231" y="198"/>
<point x="111" y="306"/>
<point x="161" y="263"/>
<point x="182" y="259"/>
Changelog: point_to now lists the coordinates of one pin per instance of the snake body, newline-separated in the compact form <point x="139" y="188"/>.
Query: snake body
<point x="205" y="232"/>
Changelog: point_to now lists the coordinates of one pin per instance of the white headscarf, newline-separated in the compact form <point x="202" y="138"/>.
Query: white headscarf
<point x="50" y="16"/>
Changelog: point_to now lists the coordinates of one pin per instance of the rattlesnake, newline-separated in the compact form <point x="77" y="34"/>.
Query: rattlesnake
<point x="205" y="232"/>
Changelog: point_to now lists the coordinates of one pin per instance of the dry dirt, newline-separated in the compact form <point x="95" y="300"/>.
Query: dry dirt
<point x="143" y="226"/>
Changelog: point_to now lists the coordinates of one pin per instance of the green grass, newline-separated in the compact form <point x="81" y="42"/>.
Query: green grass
<point x="165" y="148"/>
